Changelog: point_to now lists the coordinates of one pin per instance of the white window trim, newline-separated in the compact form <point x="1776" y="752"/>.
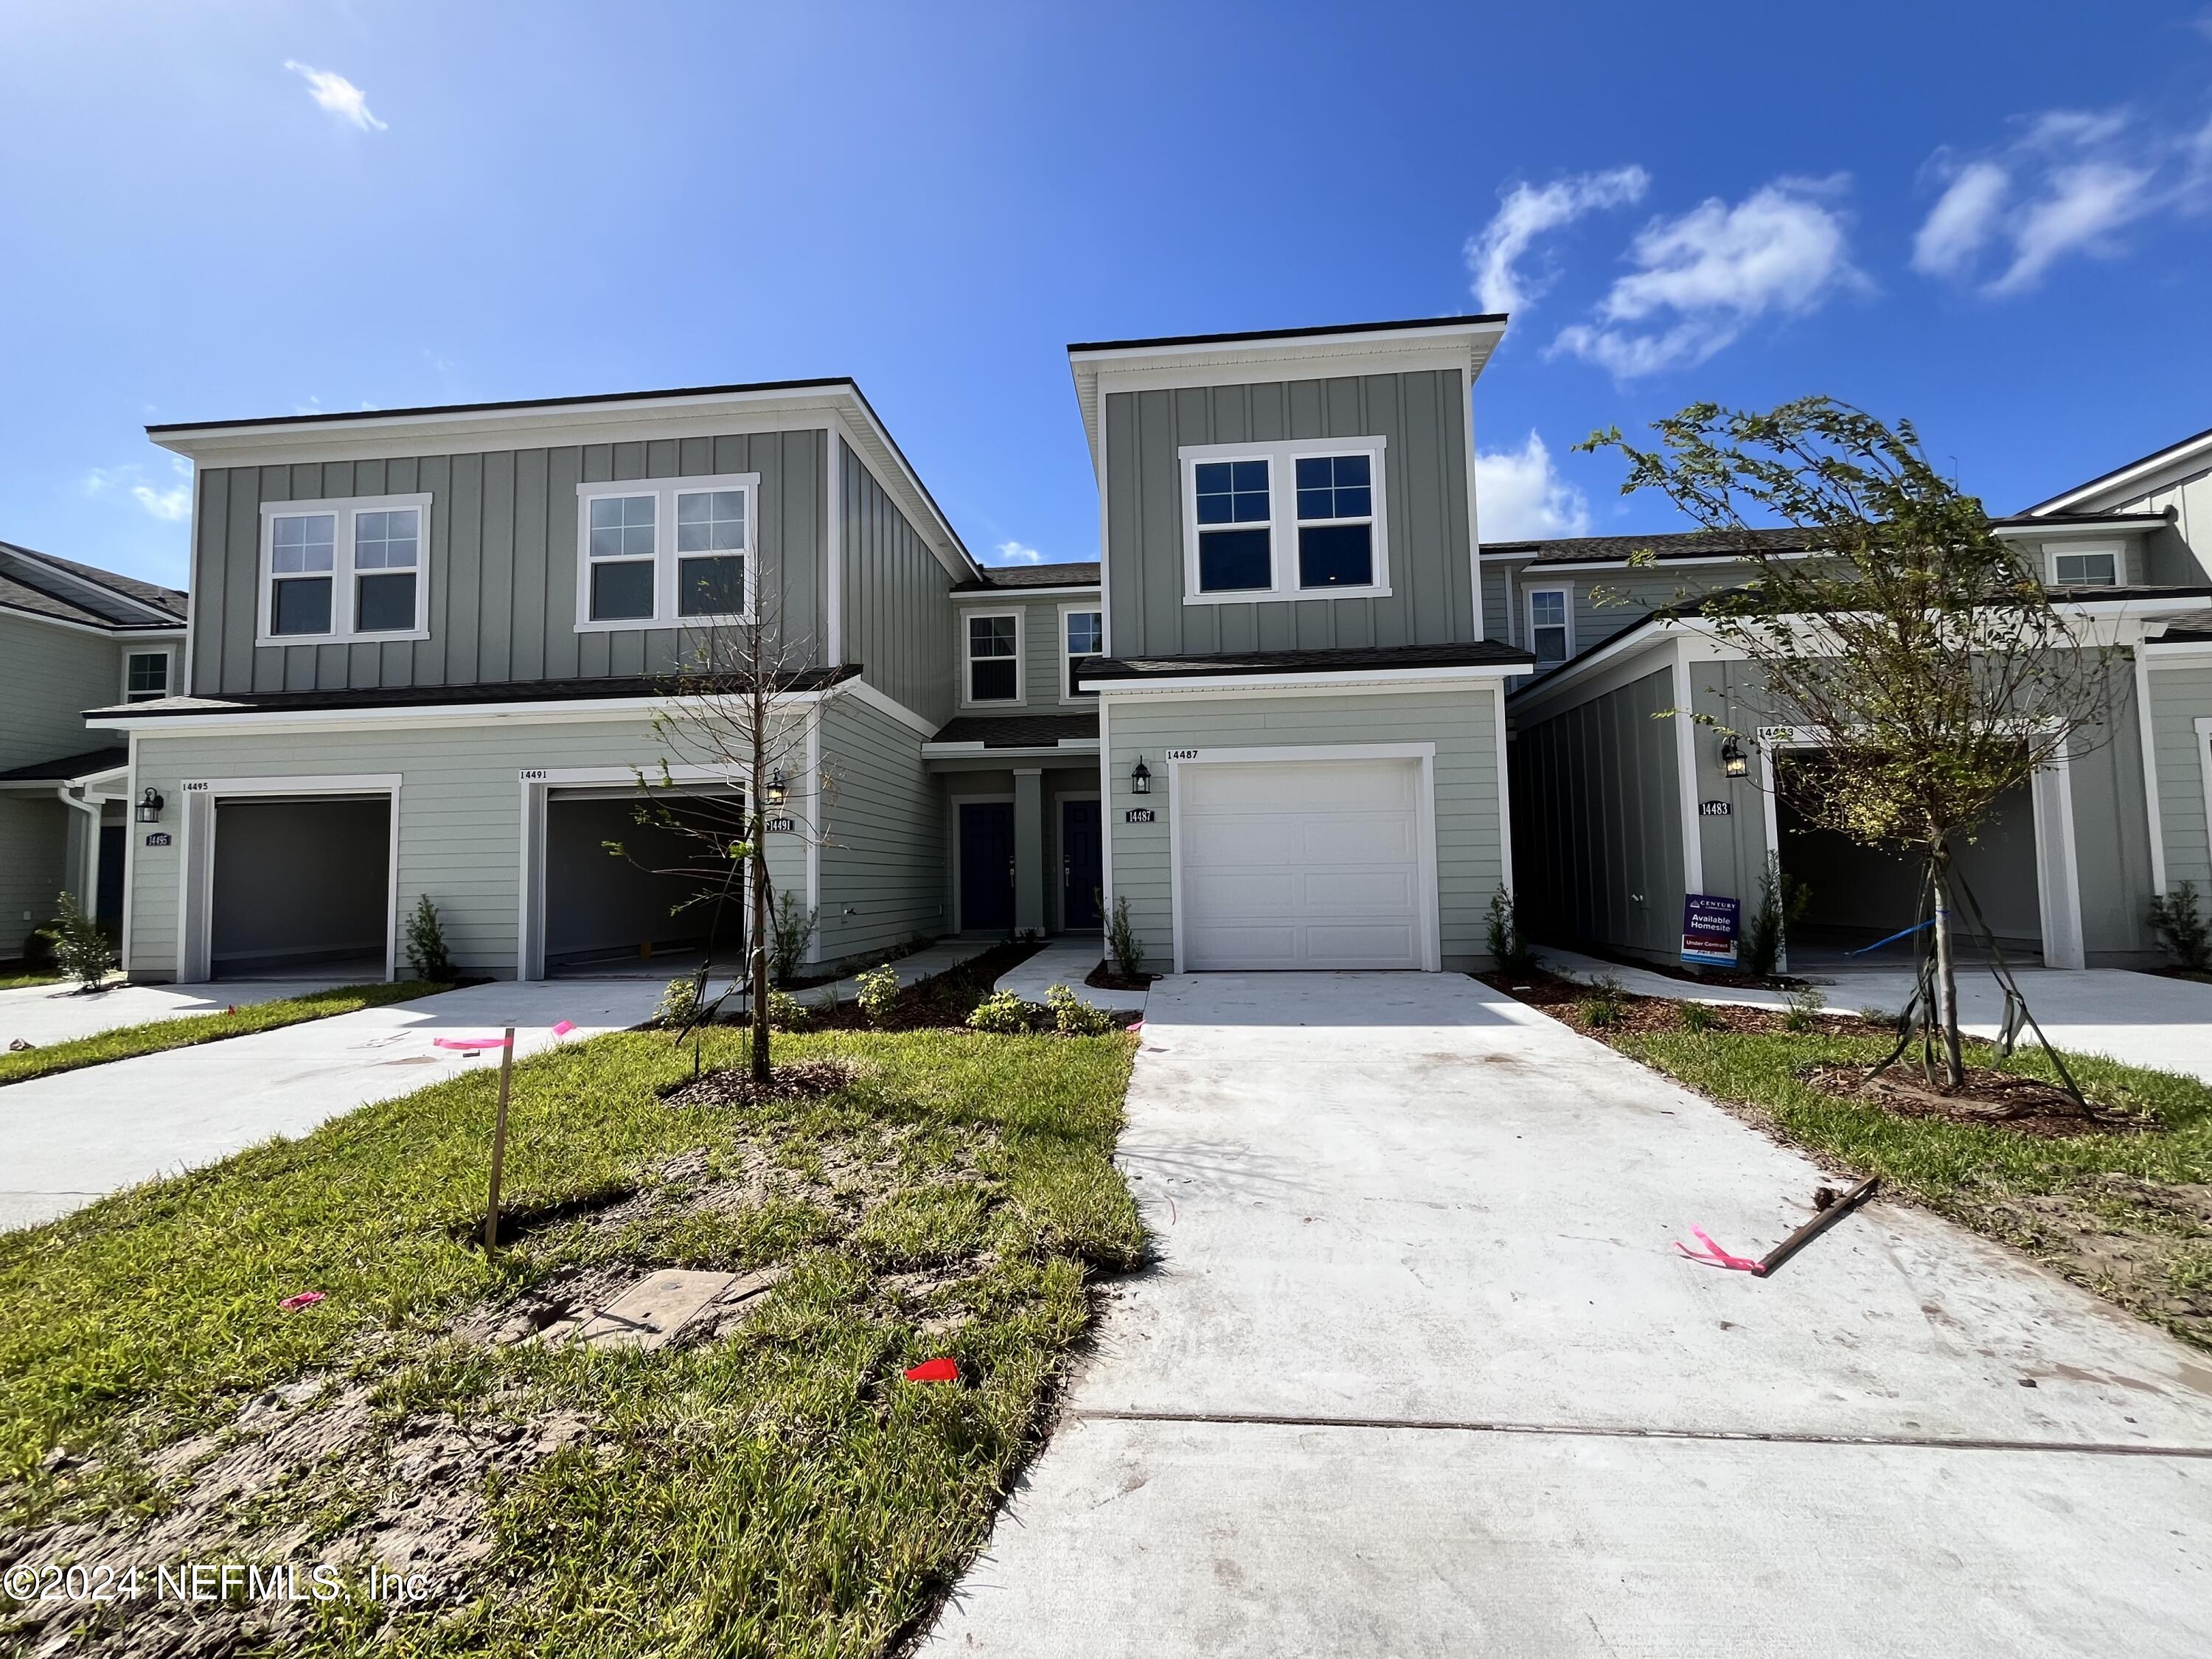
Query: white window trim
<point x="1282" y="459"/>
<point x="169" y="680"/>
<point x="1068" y="694"/>
<point x="664" y="492"/>
<point x="1021" y="658"/>
<point x="342" y="630"/>
<point x="2052" y="551"/>
<point x="1567" y="592"/>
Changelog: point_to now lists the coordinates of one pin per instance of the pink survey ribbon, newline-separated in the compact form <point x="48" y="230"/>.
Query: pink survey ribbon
<point x="564" y="1028"/>
<point x="1718" y="1257"/>
<point x="304" y="1299"/>
<point x="468" y="1042"/>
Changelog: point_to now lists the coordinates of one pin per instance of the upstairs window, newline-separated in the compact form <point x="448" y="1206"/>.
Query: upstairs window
<point x="1083" y="634"/>
<point x="1549" y="631"/>
<point x="1336" y="521"/>
<point x="667" y="553"/>
<point x="145" y="675"/>
<point x="2086" y="569"/>
<point x="1235" y="553"/>
<point x="344" y="570"/>
<point x="994" y="657"/>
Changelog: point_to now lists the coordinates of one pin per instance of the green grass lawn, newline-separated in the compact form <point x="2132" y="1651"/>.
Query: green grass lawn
<point x="128" y="1042"/>
<point x="778" y="1490"/>
<point x="2128" y="1215"/>
<point x="25" y="981"/>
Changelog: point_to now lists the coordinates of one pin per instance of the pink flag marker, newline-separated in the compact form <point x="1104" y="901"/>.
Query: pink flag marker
<point x="1717" y="1256"/>
<point x="468" y="1042"/>
<point x="564" y="1028"/>
<point x="304" y="1299"/>
<point x="941" y="1369"/>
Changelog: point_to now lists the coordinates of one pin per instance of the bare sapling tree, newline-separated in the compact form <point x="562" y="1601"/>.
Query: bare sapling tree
<point x="1919" y="653"/>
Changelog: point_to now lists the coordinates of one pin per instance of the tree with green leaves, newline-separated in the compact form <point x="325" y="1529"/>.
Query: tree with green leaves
<point x="1918" y="651"/>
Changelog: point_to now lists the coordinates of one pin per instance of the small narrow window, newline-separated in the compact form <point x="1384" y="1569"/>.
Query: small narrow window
<point x="1086" y="637"/>
<point x="145" y="675"/>
<point x="1234" y="550"/>
<point x="994" y="659"/>
<point x="2087" y="569"/>
<point x="1336" y="521"/>
<point x="710" y="553"/>
<point x="385" y="546"/>
<point x="1548" y="625"/>
<point x="302" y="562"/>
<point x="621" y="557"/>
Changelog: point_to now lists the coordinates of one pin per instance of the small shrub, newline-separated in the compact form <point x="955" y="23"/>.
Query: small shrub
<point x="1805" y="1006"/>
<point x="1073" y="1017"/>
<point x="1606" y="1005"/>
<point x="786" y="1012"/>
<point x="1781" y="902"/>
<point x="1873" y="1016"/>
<point x="1122" y="942"/>
<point x="791" y="930"/>
<point x="1698" y="1017"/>
<point x="82" y="947"/>
<point x="1508" y="950"/>
<point x="426" y="944"/>
<point x="1004" y="1014"/>
<point x="2177" y="919"/>
<point x="878" y="993"/>
<point x="679" y="1005"/>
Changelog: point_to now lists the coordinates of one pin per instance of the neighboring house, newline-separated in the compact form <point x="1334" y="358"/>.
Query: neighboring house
<point x="1301" y="722"/>
<point x="428" y="646"/>
<point x="71" y="637"/>
<point x="1624" y="807"/>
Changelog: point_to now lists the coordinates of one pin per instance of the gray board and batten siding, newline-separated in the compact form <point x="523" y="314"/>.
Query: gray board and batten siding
<point x="899" y="614"/>
<point x="1423" y="416"/>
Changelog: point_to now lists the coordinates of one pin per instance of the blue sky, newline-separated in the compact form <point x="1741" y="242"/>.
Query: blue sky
<point x="1992" y="221"/>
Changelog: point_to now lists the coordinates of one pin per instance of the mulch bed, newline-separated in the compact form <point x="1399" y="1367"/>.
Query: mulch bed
<point x="943" y="1001"/>
<point x="1568" y="1002"/>
<point x="1998" y="1100"/>
<point x="1106" y="977"/>
<point x="798" y="1079"/>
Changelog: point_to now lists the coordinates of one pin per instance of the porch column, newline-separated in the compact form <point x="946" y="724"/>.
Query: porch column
<point x="1029" y="850"/>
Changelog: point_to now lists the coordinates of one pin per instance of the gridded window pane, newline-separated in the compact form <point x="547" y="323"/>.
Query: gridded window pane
<point x="711" y="586"/>
<point x="1233" y="561"/>
<point x="621" y="527"/>
<point x="2086" y="571"/>
<point x="146" y="675"/>
<point x="385" y="541"/>
<point x="1085" y="633"/>
<point x="1336" y="555"/>
<point x="621" y="592"/>
<point x="1547" y="627"/>
<point x="990" y="636"/>
<point x="992" y="680"/>
<point x="1334" y="487"/>
<point x="384" y="604"/>
<point x="711" y="521"/>
<point x="300" y="605"/>
<point x="302" y="542"/>
<point x="1231" y="492"/>
<point x="994" y="669"/>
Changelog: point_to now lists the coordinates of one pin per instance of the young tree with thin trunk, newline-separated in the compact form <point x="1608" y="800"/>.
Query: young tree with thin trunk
<point x="1920" y="653"/>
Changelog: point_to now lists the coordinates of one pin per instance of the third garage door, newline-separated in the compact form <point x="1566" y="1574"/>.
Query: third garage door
<point x="1302" y="864"/>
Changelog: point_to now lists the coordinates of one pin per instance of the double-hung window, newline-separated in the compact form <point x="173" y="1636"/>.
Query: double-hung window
<point x="1082" y="634"/>
<point x="2086" y="567"/>
<point x="341" y="570"/>
<point x="666" y="552"/>
<point x="1287" y="519"/>
<point x="145" y="675"/>
<point x="1551" y="634"/>
<point x="994" y="657"/>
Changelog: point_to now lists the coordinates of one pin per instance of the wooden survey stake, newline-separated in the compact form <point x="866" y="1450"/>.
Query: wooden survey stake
<point x="499" y="1141"/>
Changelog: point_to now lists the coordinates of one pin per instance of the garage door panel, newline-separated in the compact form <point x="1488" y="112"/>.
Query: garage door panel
<point x="1231" y="945"/>
<point x="1369" y="840"/>
<point x="1240" y="894"/>
<point x="1358" y="892"/>
<point x="1363" y="944"/>
<point x="1244" y="839"/>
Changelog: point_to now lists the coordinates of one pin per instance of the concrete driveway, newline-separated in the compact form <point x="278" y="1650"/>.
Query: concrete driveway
<point x="1418" y="1374"/>
<point x="72" y="1137"/>
<point x="45" y="1014"/>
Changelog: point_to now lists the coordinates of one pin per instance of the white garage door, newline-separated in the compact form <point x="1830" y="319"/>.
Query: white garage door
<point x="1301" y="864"/>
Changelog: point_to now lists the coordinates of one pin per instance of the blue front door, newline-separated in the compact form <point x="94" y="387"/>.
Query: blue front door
<point x="987" y="866"/>
<point x="1081" y="870"/>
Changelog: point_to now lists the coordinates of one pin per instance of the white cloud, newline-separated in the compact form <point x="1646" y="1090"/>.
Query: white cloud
<point x="1520" y="497"/>
<point x="171" y="506"/>
<point x="1526" y="212"/>
<point x="2079" y="208"/>
<point x="1015" y="553"/>
<point x="1707" y="276"/>
<point x="1962" y="220"/>
<point x="337" y="94"/>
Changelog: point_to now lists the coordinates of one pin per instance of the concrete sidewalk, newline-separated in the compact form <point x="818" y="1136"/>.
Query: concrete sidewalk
<point x="72" y="1137"/>
<point x="1067" y="961"/>
<point x="1418" y="1373"/>
<point x="47" y="1014"/>
<point x="2142" y="1019"/>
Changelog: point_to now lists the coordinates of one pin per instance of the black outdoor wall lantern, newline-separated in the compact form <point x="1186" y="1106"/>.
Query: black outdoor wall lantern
<point x="1734" y="762"/>
<point x="1140" y="778"/>
<point x="150" y="805"/>
<point x="779" y="791"/>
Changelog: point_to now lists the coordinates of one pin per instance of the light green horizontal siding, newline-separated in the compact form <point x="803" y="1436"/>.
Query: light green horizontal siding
<point x="884" y="853"/>
<point x="34" y="860"/>
<point x="1461" y="723"/>
<point x="1042" y="654"/>
<point x="49" y="677"/>
<point x="2179" y="697"/>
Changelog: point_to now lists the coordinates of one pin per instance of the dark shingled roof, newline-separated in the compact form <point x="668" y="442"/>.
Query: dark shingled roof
<point x="997" y="576"/>
<point x="1019" y="731"/>
<point x="1687" y="545"/>
<point x="439" y="697"/>
<point x="68" y="767"/>
<point x="40" y="584"/>
<point x="1486" y="653"/>
<point x="2197" y="626"/>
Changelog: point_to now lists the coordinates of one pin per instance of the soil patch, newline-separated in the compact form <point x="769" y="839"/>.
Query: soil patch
<point x="941" y="1001"/>
<point x="1573" y="1004"/>
<point x="797" y="1079"/>
<point x="1107" y="977"/>
<point x="2024" y="1105"/>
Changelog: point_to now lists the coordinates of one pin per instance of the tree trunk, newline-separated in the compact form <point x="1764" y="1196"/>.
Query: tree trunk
<point x="1947" y="978"/>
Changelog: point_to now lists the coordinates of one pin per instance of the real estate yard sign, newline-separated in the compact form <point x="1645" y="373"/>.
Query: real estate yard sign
<point x="1709" y="930"/>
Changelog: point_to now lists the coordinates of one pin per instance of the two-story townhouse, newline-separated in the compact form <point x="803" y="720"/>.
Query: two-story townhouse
<point x="1301" y="724"/>
<point x="70" y="636"/>
<point x="433" y="650"/>
<point x="1626" y="809"/>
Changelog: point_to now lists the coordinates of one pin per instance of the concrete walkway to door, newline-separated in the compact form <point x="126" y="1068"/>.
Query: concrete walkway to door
<point x="1418" y="1373"/>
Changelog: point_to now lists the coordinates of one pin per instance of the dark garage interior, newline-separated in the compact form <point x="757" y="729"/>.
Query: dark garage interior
<point x="1859" y="894"/>
<point x="302" y="886"/>
<point x="609" y="914"/>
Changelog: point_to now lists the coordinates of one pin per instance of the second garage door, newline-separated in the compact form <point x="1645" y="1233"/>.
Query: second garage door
<point x="1302" y="864"/>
